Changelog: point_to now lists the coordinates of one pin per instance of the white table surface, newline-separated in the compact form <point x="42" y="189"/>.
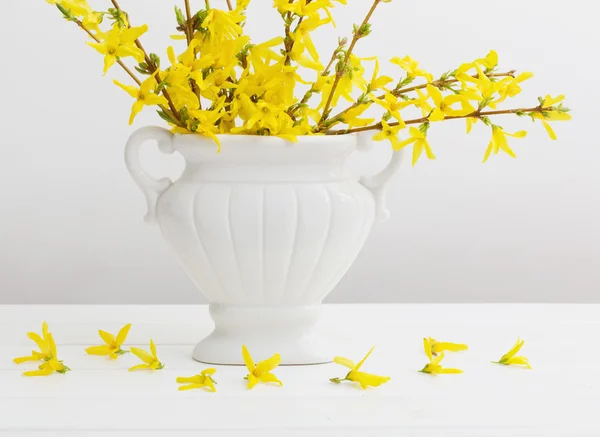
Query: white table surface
<point x="559" y="397"/>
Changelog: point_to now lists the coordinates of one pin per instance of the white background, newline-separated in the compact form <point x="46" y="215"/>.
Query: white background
<point x="511" y="230"/>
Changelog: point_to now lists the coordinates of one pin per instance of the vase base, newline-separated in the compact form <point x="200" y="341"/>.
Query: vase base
<point x="220" y="351"/>
<point x="289" y="331"/>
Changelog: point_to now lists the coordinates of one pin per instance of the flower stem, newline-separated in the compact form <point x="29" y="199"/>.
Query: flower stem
<point x="229" y="5"/>
<point x="477" y="114"/>
<point x="152" y="69"/>
<point x="337" y="117"/>
<point x="188" y="14"/>
<point x="341" y="68"/>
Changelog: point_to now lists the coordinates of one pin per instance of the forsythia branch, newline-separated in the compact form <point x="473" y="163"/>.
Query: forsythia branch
<point x="477" y="114"/>
<point x="398" y="92"/>
<point x="340" y="71"/>
<point x="152" y="69"/>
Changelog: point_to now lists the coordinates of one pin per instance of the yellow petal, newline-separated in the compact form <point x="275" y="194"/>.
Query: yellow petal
<point x="131" y="90"/>
<point x="41" y="372"/>
<point x="522" y="361"/>
<point x="252" y="381"/>
<point x="99" y="350"/>
<point x="367" y="379"/>
<point x="109" y="61"/>
<point x="269" y="377"/>
<point x="44" y="330"/>
<point x="52" y="345"/>
<point x="344" y="362"/>
<point x="549" y="129"/>
<point x="516" y="348"/>
<point x="153" y="349"/>
<point x="122" y="335"/>
<point x="197" y="386"/>
<point x="268" y="365"/>
<point x="427" y="347"/>
<point x="359" y="365"/>
<point x="442" y="371"/>
<point x="140" y="367"/>
<point x="142" y="355"/>
<point x="135" y="110"/>
<point x="452" y="347"/>
<point x="107" y="337"/>
<point x="41" y="344"/>
<point x="196" y="379"/>
<point x="248" y="359"/>
<point x="210" y="371"/>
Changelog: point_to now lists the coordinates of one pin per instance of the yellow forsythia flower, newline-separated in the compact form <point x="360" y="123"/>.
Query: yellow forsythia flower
<point x="144" y="96"/>
<point x="435" y="368"/>
<point x="364" y="379"/>
<point x="261" y="371"/>
<point x="151" y="361"/>
<point x="510" y="359"/>
<point x="51" y="362"/>
<point x="113" y="345"/>
<point x="435" y="347"/>
<point x="203" y="380"/>
<point x="119" y="43"/>
<point x="499" y="142"/>
<point x="42" y="343"/>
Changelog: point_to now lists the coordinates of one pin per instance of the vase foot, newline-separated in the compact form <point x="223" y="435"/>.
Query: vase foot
<point x="289" y="331"/>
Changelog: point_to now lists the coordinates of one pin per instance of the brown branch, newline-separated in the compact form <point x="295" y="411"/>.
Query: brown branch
<point x="189" y="33"/>
<point x="477" y="114"/>
<point x="340" y="71"/>
<point x="439" y="83"/>
<point x="398" y="92"/>
<point x="152" y="68"/>
<point x="229" y="5"/>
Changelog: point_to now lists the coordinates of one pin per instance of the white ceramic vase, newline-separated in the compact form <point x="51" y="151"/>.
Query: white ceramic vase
<point x="265" y="228"/>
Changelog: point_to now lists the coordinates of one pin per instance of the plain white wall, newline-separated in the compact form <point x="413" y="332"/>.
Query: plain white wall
<point x="511" y="230"/>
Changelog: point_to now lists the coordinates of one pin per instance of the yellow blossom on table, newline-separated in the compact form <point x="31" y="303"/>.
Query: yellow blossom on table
<point x="500" y="142"/>
<point x="203" y="380"/>
<point x="144" y="95"/>
<point x="260" y="372"/>
<point x="443" y="104"/>
<point x="119" y="43"/>
<point x="389" y="133"/>
<point x="433" y="347"/>
<point x="112" y="348"/>
<point x="419" y="140"/>
<point x="435" y="368"/>
<point x="411" y="67"/>
<point x="51" y="362"/>
<point x="42" y="343"/>
<point x="509" y="358"/>
<point x="355" y="375"/>
<point x="151" y="361"/>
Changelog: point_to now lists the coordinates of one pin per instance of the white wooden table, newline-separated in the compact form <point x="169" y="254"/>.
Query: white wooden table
<point x="559" y="397"/>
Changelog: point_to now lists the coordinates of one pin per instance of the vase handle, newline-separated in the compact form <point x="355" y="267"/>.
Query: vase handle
<point x="151" y="187"/>
<point x="378" y="183"/>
